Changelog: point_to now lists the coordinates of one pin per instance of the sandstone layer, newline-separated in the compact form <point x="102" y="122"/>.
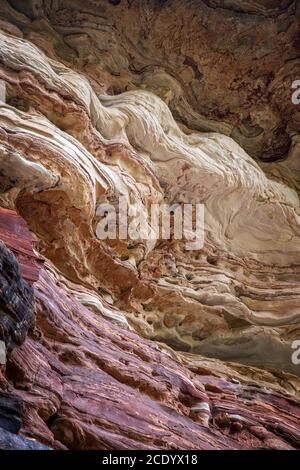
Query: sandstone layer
<point x="87" y="383"/>
<point x="160" y="103"/>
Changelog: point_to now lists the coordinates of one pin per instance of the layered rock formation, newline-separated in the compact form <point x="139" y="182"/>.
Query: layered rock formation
<point x="86" y="383"/>
<point x="160" y="103"/>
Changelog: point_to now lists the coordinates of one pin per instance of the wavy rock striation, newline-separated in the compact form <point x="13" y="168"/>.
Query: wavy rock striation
<point x="100" y="105"/>
<point x="87" y="383"/>
<point x="222" y="66"/>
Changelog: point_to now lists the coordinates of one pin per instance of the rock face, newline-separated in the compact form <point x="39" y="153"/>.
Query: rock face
<point x="222" y="66"/>
<point x="10" y="412"/>
<point x="87" y="383"/>
<point x="10" y="423"/>
<point x="16" y="297"/>
<point x="158" y="103"/>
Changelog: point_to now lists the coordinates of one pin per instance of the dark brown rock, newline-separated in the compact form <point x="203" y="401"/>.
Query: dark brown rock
<point x="16" y="300"/>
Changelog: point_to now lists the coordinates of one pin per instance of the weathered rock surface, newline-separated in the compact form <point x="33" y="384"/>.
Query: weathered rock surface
<point x="16" y="301"/>
<point x="241" y="289"/>
<point x="223" y="66"/>
<point x="10" y="441"/>
<point x="10" y="412"/>
<point x="86" y="383"/>
<point x="207" y="91"/>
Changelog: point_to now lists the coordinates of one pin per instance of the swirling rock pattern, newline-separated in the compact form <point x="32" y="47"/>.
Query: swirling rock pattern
<point x="87" y="383"/>
<point x="220" y="65"/>
<point x="157" y="102"/>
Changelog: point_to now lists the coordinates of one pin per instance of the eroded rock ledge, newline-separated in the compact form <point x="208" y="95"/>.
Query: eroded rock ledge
<point x="122" y="326"/>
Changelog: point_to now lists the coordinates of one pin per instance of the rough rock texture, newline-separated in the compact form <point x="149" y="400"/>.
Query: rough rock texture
<point x="10" y="441"/>
<point x="86" y="383"/>
<point x="16" y="317"/>
<point x="16" y="300"/>
<point x="160" y="102"/>
<point x="10" y="412"/>
<point x="224" y="66"/>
